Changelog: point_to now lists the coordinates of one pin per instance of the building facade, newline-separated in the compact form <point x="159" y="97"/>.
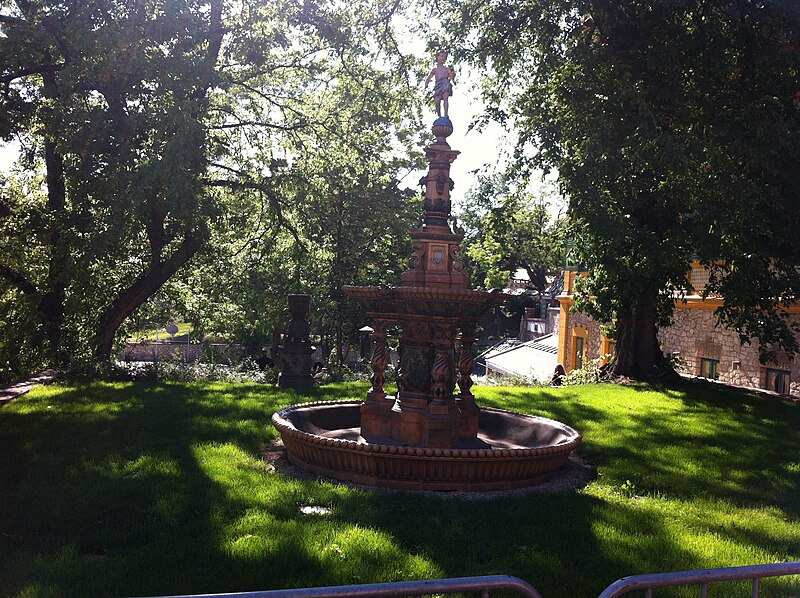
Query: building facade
<point x="701" y="347"/>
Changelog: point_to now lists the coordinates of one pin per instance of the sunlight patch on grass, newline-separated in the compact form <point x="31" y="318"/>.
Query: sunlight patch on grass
<point x="363" y="555"/>
<point x="700" y="533"/>
<point x="148" y="489"/>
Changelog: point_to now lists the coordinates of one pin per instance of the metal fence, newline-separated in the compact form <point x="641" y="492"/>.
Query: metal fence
<point x="483" y="585"/>
<point x="488" y="583"/>
<point x="702" y="578"/>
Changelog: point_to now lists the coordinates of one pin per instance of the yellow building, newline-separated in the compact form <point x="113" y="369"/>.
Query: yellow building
<point x="703" y="348"/>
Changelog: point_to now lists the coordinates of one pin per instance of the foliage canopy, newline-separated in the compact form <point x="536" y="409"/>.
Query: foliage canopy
<point x="675" y="130"/>
<point x="150" y="131"/>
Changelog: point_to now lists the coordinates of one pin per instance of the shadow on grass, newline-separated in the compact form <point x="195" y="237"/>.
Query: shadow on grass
<point x="691" y="439"/>
<point x="139" y="489"/>
<point x="160" y="488"/>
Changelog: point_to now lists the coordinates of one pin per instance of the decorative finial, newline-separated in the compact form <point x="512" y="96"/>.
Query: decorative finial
<point x="443" y="88"/>
<point x="442" y="129"/>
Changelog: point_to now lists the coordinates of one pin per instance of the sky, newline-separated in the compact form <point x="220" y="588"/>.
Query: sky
<point x="8" y="153"/>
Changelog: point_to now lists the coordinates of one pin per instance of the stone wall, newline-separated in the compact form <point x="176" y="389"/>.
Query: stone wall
<point x="552" y="319"/>
<point x="592" y="347"/>
<point x="695" y="335"/>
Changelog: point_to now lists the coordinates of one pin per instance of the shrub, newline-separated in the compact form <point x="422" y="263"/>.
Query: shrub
<point x="592" y="372"/>
<point x="176" y="371"/>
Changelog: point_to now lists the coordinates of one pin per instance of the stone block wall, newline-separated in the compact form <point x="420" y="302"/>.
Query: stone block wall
<point x="552" y="319"/>
<point x="592" y="347"/>
<point x="695" y="335"/>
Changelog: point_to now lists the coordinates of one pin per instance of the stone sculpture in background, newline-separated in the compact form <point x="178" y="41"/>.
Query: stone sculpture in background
<point x="295" y="352"/>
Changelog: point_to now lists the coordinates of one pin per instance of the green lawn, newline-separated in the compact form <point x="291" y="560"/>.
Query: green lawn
<point x="160" y="333"/>
<point x="143" y="489"/>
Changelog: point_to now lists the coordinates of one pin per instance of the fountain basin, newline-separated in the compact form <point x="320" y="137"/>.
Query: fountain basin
<point x="512" y="450"/>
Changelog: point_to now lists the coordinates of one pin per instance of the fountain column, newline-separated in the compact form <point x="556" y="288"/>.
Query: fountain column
<point x="468" y="408"/>
<point x="443" y="417"/>
<point x="425" y="412"/>
<point x="436" y="260"/>
<point x="375" y="410"/>
<point x="431" y="304"/>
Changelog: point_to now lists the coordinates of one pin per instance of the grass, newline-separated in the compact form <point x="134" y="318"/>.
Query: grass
<point x="147" y="489"/>
<point x="160" y="333"/>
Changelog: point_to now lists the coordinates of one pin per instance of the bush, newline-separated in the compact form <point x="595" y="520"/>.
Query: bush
<point x="514" y="380"/>
<point x="175" y="371"/>
<point x="592" y="372"/>
<point x="342" y="373"/>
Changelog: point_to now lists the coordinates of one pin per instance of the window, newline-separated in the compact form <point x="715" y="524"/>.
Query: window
<point x="578" y="352"/>
<point x="698" y="278"/>
<point x="777" y="380"/>
<point x="607" y="348"/>
<point x="535" y="326"/>
<point x="709" y="368"/>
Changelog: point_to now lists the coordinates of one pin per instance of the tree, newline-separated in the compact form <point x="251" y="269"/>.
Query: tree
<point x="507" y="229"/>
<point x="349" y="220"/>
<point x="345" y="220"/>
<point x="674" y="130"/>
<point x="145" y="120"/>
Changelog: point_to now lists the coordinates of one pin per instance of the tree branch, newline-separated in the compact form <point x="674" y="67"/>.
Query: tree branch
<point x="8" y="19"/>
<point x="273" y="200"/>
<point x="18" y="280"/>
<point x="215" y="34"/>
<point x="255" y="123"/>
<point x="34" y="70"/>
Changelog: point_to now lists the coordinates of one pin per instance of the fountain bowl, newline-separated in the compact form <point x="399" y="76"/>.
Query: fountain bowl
<point x="512" y="450"/>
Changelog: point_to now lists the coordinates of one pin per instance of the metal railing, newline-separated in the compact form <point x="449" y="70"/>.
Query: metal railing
<point x="483" y="584"/>
<point x="701" y="578"/>
<point x="487" y="583"/>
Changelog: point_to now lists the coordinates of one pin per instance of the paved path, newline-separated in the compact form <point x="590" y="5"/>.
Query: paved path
<point x="9" y="393"/>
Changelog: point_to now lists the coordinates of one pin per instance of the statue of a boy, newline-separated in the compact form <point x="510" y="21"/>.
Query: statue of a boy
<point x="443" y="88"/>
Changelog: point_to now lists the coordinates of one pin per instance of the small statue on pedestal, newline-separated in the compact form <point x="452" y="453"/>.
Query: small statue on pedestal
<point x="443" y="88"/>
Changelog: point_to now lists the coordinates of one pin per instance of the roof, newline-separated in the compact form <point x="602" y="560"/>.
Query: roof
<point x="534" y="359"/>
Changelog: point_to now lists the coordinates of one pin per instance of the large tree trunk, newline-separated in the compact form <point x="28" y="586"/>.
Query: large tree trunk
<point x="161" y="270"/>
<point x="638" y="355"/>
<point x="53" y="295"/>
<point x="140" y="291"/>
<point x="538" y="277"/>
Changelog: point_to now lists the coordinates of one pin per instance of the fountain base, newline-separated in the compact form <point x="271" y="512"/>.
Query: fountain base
<point x="511" y="450"/>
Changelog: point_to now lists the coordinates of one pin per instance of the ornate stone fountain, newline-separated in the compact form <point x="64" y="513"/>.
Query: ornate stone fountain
<point x="428" y="436"/>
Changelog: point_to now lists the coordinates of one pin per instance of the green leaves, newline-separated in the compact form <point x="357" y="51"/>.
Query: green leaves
<point x="173" y="126"/>
<point x="674" y="129"/>
<point x="509" y="228"/>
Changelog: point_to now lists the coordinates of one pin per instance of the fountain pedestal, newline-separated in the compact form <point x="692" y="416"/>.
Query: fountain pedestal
<point x="296" y="350"/>
<point x="431" y="307"/>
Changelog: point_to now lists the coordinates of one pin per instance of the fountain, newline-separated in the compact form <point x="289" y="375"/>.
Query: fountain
<point x="427" y="437"/>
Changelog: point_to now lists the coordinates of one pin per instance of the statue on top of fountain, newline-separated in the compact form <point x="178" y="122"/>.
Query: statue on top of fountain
<point x="443" y="88"/>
